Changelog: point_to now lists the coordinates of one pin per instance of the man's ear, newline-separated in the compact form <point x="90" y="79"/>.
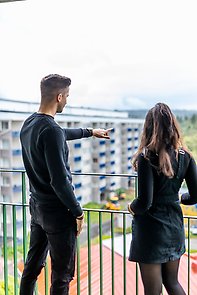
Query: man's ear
<point x="59" y="97"/>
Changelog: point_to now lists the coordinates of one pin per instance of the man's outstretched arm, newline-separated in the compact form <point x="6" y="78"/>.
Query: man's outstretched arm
<point x="77" y="133"/>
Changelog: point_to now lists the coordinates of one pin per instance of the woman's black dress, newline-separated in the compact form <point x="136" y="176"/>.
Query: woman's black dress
<point x="157" y="227"/>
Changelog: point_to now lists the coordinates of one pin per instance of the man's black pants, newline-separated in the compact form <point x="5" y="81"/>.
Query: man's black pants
<point x="54" y="229"/>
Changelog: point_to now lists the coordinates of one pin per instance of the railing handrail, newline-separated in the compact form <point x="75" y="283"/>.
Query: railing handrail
<point x="80" y="173"/>
<point x="91" y="209"/>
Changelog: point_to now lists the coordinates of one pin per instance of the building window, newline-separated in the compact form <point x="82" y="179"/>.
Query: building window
<point x="17" y="188"/>
<point x="17" y="152"/>
<point x="77" y="185"/>
<point x="95" y="160"/>
<point x="5" y="144"/>
<point x="77" y="145"/>
<point x="102" y="165"/>
<point x="102" y="188"/>
<point x="78" y="171"/>
<point x="77" y="159"/>
<point x="4" y="163"/>
<point x="79" y="198"/>
<point x="6" y="180"/>
<point x="15" y="133"/>
<point x="5" y="198"/>
<point x="102" y="142"/>
<point x="4" y="125"/>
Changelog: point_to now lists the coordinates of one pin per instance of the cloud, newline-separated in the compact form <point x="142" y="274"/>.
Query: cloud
<point x="118" y="54"/>
<point x="133" y="103"/>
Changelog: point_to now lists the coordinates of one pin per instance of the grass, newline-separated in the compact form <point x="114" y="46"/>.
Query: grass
<point x="119" y="230"/>
<point x="10" y="286"/>
<point x="94" y="216"/>
<point x="192" y="251"/>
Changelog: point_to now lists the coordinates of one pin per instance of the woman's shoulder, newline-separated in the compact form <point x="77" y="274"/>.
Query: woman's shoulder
<point x="187" y="155"/>
<point x="185" y="152"/>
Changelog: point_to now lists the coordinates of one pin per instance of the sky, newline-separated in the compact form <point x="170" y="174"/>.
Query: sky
<point x="119" y="54"/>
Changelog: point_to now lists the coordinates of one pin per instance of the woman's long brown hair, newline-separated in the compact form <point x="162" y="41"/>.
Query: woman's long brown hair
<point x="161" y="133"/>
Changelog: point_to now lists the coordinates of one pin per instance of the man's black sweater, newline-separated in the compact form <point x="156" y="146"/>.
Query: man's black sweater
<point x="45" y="156"/>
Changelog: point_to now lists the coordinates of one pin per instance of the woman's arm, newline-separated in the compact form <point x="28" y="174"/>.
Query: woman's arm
<point x="190" y="198"/>
<point x="145" y="187"/>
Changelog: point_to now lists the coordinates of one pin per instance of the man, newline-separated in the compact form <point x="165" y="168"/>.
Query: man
<point x="56" y="216"/>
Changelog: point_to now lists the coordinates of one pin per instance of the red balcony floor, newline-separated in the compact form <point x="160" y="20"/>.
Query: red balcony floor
<point x="118" y="274"/>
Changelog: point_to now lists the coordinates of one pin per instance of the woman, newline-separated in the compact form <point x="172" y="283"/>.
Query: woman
<point x="162" y="164"/>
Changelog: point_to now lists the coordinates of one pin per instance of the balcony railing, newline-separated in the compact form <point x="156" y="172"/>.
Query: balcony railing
<point x="101" y="267"/>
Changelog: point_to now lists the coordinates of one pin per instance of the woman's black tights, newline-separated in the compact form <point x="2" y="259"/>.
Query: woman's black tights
<point x="154" y="275"/>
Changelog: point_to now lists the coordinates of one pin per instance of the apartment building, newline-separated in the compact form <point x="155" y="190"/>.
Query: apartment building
<point x="88" y="155"/>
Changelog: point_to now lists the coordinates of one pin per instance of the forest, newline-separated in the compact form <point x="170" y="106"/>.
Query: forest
<point x="188" y="126"/>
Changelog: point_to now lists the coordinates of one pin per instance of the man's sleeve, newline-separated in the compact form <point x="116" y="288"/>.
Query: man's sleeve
<point x="145" y="187"/>
<point x="190" y="198"/>
<point x="53" y="141"/>
<point x="77" y="133"/>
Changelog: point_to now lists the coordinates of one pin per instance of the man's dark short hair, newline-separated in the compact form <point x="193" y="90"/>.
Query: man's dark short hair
<point x="53" y="84"/>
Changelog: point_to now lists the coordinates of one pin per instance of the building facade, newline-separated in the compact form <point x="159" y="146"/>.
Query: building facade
<point x="88" y="155"/>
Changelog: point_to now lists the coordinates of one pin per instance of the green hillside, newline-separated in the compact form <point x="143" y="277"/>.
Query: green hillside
<point x="189" y="132"/>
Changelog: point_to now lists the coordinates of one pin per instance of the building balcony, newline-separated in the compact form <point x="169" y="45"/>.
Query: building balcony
<point x="17" y="188"/>
<point x="102" y="265"/>
<point x="77" y="159"/>
<point x="102" y="142"/>
<point x="17" y="152"/>
<point x="102" y="165"/>
<point x="77" y="185"/>
<point x="77" y="145"/>
<point x="15" y="134"/>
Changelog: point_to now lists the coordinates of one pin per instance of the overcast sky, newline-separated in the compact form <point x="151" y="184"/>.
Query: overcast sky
<point x="122" y="54"/>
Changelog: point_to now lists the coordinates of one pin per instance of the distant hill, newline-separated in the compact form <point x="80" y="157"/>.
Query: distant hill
<point x="141" y="113"/>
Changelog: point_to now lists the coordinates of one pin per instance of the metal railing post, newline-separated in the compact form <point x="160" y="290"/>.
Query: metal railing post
<point x="124" y="254"/>
<point x="101" y="253"/>
<point x="15" y="250"/>
<point x="78" y="266"/>
<point x="89" y="255"/>
<point x="112" y="250"/>
<point x="24" y="217"/>
<point x="5" y="252"/>
<point x="188" y="286"/>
